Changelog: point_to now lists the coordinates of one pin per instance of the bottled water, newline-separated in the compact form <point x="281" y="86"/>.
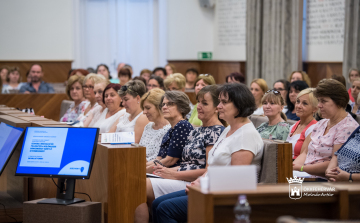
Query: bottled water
<point x="242" y="210"/>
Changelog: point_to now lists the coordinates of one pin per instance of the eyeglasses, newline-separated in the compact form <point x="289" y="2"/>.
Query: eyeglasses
<point x="273" y="91"/>
<point x="87" y="87"/>
<point x="169" y="104"/>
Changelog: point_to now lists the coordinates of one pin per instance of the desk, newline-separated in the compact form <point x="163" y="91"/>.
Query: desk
<point x="269" y="202"/>
<point x="118" y="181"/>
<point x="16" y="122"/>
<point x="9" y="112"/>
<point x="40" y="123"/>
<point x="33" y="118"/>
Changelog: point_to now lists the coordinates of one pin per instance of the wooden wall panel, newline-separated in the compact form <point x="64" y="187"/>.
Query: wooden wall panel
<point x="219" y="69"/>
<point x="47" y="105"/>
<point x="54" y="71"/>
<point x="320" y="70"/>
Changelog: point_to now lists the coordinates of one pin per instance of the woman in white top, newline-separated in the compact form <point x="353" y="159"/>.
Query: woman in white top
<point x="158" y="126"/>
<point x="113" y="110"/>
<point x="134" y="120"/>
<point x="305" y="107"/>
<point x="95" y="114"/>
<point x="258" y="88"/>
<point x="13" y="78"/>
<point x="88" y="87"/>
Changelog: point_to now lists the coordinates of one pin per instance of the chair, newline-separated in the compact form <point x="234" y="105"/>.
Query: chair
<point x="64" y="107"/>
<point x="257" y="120"/>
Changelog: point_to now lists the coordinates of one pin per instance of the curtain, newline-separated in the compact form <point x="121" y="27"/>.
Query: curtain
<point x="351" y="57"/>
<point x="274" y="30"/>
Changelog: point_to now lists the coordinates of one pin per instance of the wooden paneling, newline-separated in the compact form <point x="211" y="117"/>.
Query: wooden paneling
<point x="320" y="70"/>
<point x="284" y="162"/>
<point x="219" y="69"/>
<point x="54" y="71"/>
<point x="47" y="105"/>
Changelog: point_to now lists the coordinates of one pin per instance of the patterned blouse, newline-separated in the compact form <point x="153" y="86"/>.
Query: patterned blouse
<point x="349" y="154"/>
<point x="321" y="146"/>
<point x="194" y="153"/>
<point x="174" y="141"/>
<point x="73" y="113"/>
<point x="279" y="131"/>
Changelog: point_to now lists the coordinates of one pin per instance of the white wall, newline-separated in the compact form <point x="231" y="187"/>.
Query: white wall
<point x="36" y="30"/>
<point x="190" y="29"/>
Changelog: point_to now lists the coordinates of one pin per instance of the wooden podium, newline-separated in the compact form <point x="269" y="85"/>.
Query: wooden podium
<point x="117" y="180"/>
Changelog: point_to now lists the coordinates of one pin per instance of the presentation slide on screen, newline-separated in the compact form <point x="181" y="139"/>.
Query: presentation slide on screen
<point x="57" y="151"/>
<point x="8" y="139"/>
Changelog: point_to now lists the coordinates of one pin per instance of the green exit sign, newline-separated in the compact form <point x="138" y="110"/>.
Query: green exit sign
<point x="204" y="55"/>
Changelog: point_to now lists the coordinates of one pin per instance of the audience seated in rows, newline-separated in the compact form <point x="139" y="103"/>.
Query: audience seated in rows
<point x="294" y="89"/>
<point x="13" y="79"/>
<point x="74" y="90"/>
<point x="276" y="127"/>
<point x="157" y="127"/>
<point x="159" y="71"/>
<point x="193" y="160"/>
<point x="300" y="76"/>
<point x="95" y="114"/>
<point x="37" y="85"/>
<point x="174" y="106"/>
<point x="353" y="73"/>
<point x="113" y="111"/>
<point x="170" y="69"/>
<point x="235" y="77"/>
<point x="133" y="120"/>
<point x="258" y="88"/>
<point x="282" y="86"/>
<point x="330" y="133"/>
<point x="305" y="107"/>
<point x="239" y="144"/>
<point x="202" y="81"/>
<point x="155" y="82"/>
<point x="146" y="74"/>
<point x="355" y="90"/>
<point x="191" y="76"/>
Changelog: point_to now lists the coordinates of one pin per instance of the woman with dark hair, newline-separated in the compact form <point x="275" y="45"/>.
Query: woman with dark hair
<point x="161" y="72"/>
<point x="282" y="86"/>
<point x="294" y="89"/>
<point x="125" y="75"/>
<point x="235" y="77"/>
<point x="330" y="133"/>
<point x="103" y="70"/>
<point x="191" y="75"/>
<point x="113" y="109"/>
<point x="13" y="78"/>
<point x="239" y="144"/>
<point x="155" y="82"/>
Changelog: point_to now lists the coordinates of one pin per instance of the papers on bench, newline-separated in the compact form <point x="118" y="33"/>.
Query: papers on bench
<point x="305" y="175"/>
<point x="149" y="175"/>
<point x="118" y="138"/>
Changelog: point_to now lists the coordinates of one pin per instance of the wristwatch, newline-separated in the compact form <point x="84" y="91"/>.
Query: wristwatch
<point x="350" y="178"/>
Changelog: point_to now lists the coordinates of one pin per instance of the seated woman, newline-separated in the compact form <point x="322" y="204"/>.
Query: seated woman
<point x="202" y="81"/>
<point x="170" y="68"/>
<point x="146" y="74"/>
<point x="191" y="76"/>
<point x="345" y="164"/>
<point x="74" y="91"/>
<point x="13" y="78"/>
<point x="125" y="75"/>
<point x="113" y="109"/>
<point x="258" y="88"/>
<point x="276" y="127"/>
<point x="103" y="70"/>
<point x="174" y="106"/>
<point x="193" y="162"/>
<point x="353" y="74"/>
<point x="355" y="90"/>
<point x="235" y="77"/>
<point x="155" y="82"/>
<point x="158" y="126"/>
<point x="239" y="144"/>
<point x="282" y="86"/>
<point x="305" y="107"/>
<point x="134" y="120"/>
<point x="88" y="87"/>
<point x="330" y="133"/>
<point x="300" y="76"/>
<point x="95" y="114"/>
<point x="294" y="89"/>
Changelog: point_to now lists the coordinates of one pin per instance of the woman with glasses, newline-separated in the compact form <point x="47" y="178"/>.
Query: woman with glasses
<point x="75" y="93"/>
<point x="305" y="107"/>
<point x="238" y="144"/>
<point x="282" y="86"/>
<point x="155" y="82"/>
<point x="113" y="110"/>
<point x="276" y="127"/>
<point x="134" y="120"/>
<point x="193" y="161"/>
<point x="202" y="81"/>
<point x="94" y="115"/>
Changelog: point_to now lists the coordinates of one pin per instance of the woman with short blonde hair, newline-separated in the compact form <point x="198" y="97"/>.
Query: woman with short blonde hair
<point x="175" y="82"/>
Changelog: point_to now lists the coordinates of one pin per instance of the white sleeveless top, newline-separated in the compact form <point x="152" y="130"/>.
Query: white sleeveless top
<point x="125" y="125"/>
<point x="105" y="123"/>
